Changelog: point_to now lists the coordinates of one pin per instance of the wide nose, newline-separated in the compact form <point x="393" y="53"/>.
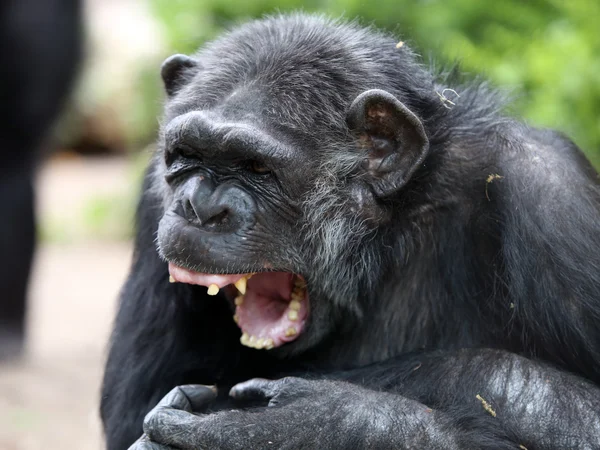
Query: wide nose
<point x="223" y="208"/>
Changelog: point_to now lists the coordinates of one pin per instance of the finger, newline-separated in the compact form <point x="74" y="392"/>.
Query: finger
<point x="144" y="443"/>
<point x="224" y="430"/>
<point x="256" y="388"/>
<point x="176" y="407"/>
<point x="188" y="397"/>
<point x="199" y="395"/>
<point x="162" y="425"/>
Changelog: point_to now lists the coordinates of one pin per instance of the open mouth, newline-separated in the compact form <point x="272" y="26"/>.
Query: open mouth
<point x="271" y="308"/>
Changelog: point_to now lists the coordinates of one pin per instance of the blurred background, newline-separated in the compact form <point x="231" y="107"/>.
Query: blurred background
<point x="545" y="53"/>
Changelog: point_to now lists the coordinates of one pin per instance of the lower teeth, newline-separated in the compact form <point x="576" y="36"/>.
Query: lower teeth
<point x="257" y="343"/>
<point x="291" y="331"/>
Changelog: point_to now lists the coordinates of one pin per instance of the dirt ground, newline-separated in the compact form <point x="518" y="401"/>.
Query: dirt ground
<point x="49" y="399"/>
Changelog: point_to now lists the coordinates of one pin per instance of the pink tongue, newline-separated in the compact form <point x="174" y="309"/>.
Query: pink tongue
<point x="182" y="275"/>
<point x="265" y="310"/>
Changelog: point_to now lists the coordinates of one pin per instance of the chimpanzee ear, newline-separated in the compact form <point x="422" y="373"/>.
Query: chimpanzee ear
<point x="393" y="137"/>
<point x="173" y="69"/>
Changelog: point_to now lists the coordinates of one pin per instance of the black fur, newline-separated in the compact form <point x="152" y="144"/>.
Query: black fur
<point x="470" y="287"/>
<point x="39" y="52"/>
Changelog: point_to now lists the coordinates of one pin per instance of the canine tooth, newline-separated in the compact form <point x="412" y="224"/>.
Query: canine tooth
<point x="239" y="300"/>
<point x="291" y="331"/>
<point x="213" y="289"/>
<point x="236" y="319"/>
<point x="241" y="285"/>
<point x="269" y="344"/>
<point x="293" y="315"/>
<point x="299" y="292"/>
<point x="260" y="343"/>
<point x="299" y="283"/>
<point x="295" y="305"/>
<point x="244" y="339"/>
<point x="171" y="279"/>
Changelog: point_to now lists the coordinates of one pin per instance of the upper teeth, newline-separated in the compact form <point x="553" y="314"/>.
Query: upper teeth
<point x="298" y="293"/>
<point x="242" y="282"/>
<point x="213" y="289"/>
<point x="241" y="285"/>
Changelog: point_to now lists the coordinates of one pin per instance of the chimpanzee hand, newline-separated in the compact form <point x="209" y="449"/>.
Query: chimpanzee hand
<point x="299" y="414"/>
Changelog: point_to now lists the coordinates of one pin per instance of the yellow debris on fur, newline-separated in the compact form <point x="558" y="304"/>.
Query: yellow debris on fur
<point x="491" y="177"/>
<point x="486" y="405"/>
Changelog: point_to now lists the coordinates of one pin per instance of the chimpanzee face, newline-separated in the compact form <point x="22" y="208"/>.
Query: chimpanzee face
<point x="273" y="176"/>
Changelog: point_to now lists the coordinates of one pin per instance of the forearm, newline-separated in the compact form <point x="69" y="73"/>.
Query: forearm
<point x="549" y="408"/>
<point x="543" y="407"/>
<point x="400" y="422"/>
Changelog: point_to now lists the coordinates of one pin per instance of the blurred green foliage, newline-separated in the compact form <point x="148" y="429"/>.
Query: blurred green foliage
<point x="104" y="216"/>
<point x="547" y="53"/>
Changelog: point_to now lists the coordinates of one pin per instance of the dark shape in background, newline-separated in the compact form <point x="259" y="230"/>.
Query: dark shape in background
<point x="40" y="47"/>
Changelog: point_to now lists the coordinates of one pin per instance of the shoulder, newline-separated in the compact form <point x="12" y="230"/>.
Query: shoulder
<point x="544" y="155"/>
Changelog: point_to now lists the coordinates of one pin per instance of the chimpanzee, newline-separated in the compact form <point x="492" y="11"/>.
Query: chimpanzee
<point x="338" y="249"/>
<point x="40" y="48"/>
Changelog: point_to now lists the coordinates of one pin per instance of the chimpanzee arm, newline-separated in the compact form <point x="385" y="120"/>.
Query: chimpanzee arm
<point x="155" y="329"/>
<point x="540" y="406"/>
<point x="469" y="399"/>
<point x="305" y="414"/>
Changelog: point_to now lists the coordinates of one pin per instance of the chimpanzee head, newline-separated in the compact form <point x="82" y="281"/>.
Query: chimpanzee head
<point x="283" y="147"/>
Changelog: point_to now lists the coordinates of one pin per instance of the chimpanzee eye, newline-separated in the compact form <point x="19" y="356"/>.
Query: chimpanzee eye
<point x="181" y="152"/>
<point x="187" y="152"/>
<point x="258" y="167"/>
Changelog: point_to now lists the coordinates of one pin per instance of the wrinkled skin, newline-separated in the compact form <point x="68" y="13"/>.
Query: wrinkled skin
<point x="358" y="418"/>
<point x="424" y="276"/>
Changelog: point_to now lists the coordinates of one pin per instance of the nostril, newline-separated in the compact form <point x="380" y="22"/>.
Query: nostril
<point x="218" y="220"/>
<point x="207" y="216"/>
<point x="223" y="209"/>
<point x="188" y="210"/>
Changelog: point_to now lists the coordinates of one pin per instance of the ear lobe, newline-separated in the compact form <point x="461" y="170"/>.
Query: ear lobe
<point x="393" y="137"/>
<point x="173" y="69"/>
